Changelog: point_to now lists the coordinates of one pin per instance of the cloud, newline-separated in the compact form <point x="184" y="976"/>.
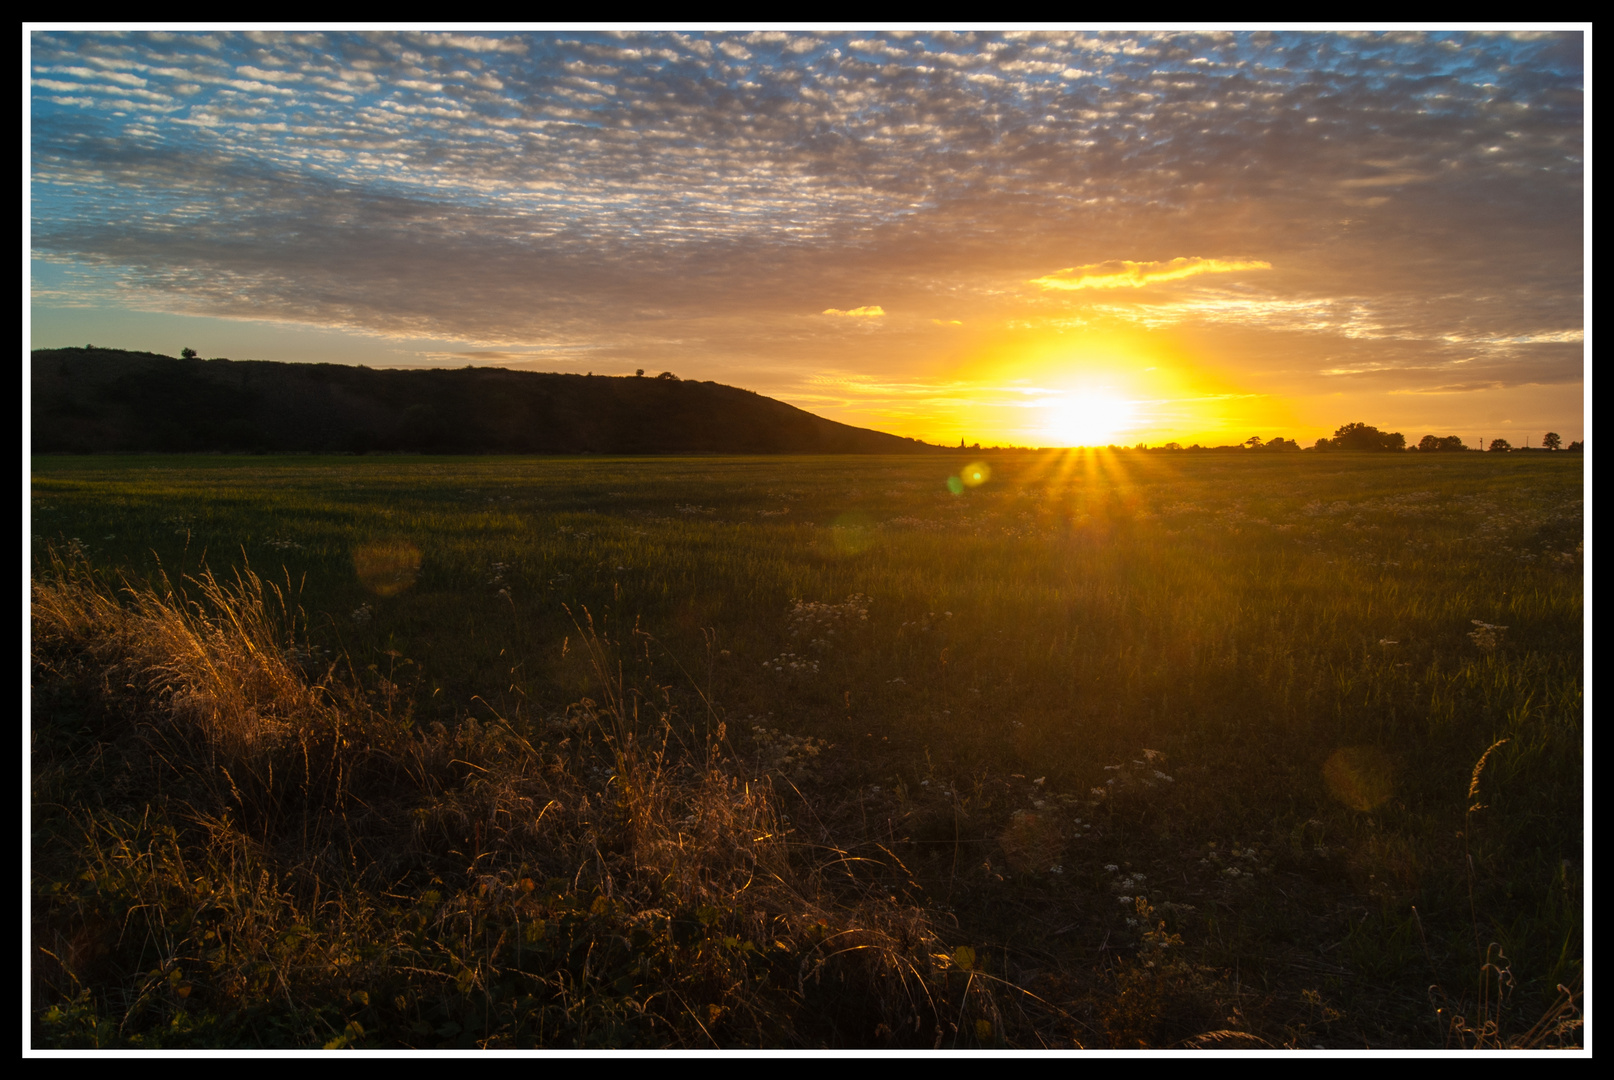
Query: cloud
<point x="1126" y="274"/>
<point x="500" y="190"/>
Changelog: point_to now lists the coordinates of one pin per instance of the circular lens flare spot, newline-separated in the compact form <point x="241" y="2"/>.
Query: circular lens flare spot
<point x="852" y="533"/>
<point x="976" y="474"/>
<point x="387" y="567"/>
<point x="1361" y="777"/>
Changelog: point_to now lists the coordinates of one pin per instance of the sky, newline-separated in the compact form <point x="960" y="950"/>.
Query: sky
<point x="1031" y="237"/>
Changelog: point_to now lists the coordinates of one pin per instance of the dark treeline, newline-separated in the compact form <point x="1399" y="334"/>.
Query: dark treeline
<point x="1358" y="437"/>
<point x="94" y="400"/>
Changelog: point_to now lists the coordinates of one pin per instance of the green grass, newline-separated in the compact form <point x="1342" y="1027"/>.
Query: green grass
<point x="1289" y="636"/>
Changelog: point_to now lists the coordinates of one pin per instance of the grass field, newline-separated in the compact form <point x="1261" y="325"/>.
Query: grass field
<point x="1091" y="749"/>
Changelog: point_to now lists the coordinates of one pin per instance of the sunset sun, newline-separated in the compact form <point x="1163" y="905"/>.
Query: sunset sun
<point x="1087" y="418"/>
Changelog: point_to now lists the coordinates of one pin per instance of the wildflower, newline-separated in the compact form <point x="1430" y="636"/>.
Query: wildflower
<point x="1111" y="867"/>
<point x="1487" y="635"/>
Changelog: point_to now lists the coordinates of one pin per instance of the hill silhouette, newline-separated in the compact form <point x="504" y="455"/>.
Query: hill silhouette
<point x="94" y="400"/>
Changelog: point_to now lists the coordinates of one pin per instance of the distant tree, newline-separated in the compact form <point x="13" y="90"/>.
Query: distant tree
<point x="1577" y="447"/>
<point x="1172" y="446"/>
<point x="1551" y="440"/>
<point x="1500" y="444"/>
<point x="669" y="376"/>
<point x="187" y="353"/>
<point x="639" y="373"/>
<point x="1253" y="442"/>
<point x="1438" y="443"/>
<point x="1326" y="444"/>
<point x="1365" y="437"/>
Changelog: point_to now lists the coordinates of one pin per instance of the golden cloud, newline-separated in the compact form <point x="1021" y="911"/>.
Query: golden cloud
<point x="874" y="311"/>
<point x="1126" y="274"/>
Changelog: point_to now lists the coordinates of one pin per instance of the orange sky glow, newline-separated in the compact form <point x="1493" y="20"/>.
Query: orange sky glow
<point x="1032" y="238"/>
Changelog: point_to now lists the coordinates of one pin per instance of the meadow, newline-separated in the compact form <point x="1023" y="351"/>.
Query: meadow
<point x="1087" y="749"/>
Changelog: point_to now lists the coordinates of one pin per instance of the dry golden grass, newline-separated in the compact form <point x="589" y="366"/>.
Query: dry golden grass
<point x="309" y="868"/>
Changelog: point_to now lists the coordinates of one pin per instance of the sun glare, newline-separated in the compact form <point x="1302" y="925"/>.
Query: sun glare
<point x="1086" y="419"/>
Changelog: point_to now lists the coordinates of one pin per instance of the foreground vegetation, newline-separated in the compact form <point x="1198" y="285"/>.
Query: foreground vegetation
<point x="1102" y="749"/>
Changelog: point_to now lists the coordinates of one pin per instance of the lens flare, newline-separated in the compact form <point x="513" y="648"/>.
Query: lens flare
<point x="1361" y="777"/>
<point x="975" y="474"/>
<point x="852" y="533"/>
<point x="387" y="567"/>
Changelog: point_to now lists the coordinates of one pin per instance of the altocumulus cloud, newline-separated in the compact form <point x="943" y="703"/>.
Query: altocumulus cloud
<point x="647" y="193"/>
<point x="1124" y="274"/>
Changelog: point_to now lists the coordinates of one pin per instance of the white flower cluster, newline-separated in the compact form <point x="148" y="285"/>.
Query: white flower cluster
<point x="791" y="663"/>
<point x="787" y="755"/>
<point x="1486" y="635"/>
<point x="916" y="523"/>
<point x="362" y="614"/>
<point x="1238" y="862"/>
<point x="925" y="624"/>
<point x="1140" y="773"/>
<point x="814" y="620"/>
